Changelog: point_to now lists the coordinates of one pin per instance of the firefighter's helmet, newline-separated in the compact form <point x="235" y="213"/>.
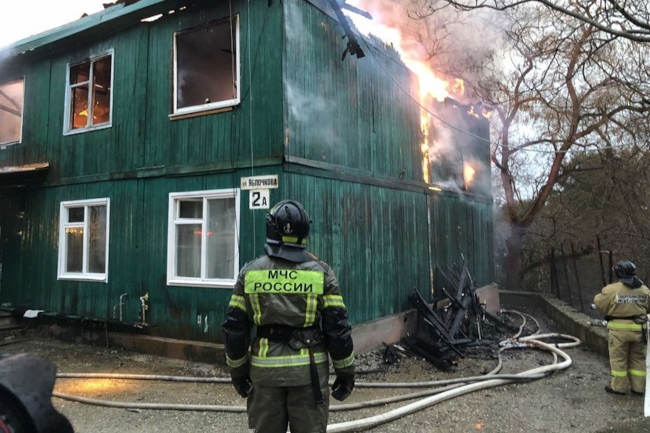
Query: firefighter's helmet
<point x="287" y="229"/>
<point x="625" y="269"/>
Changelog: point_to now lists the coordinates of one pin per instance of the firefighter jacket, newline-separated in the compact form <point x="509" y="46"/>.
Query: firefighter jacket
<point x="621" y="304"/>
<point x="272" y="291"/>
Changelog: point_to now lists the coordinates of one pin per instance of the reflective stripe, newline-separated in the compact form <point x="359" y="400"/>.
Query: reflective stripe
<point x="257" y="311"/>
<point x="293" y="240"/>
<point x="238" y="301"/>
<point x="234" y="363"/>
<point x="264" y="347"/>
<point x="284" y="282"/>
<point x="287" y="361"/>
<point x="637" y="372"/>
<point x="619" y="373"/>
<point x="345" y="362"/>
<point x="333" y="301"/>
<point x="624" y="326"/>
<point x="310" y="310"/>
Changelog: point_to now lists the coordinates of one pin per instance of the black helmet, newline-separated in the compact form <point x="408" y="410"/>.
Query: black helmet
<point x="625" y="269"/>
<point x="287" y="229"/>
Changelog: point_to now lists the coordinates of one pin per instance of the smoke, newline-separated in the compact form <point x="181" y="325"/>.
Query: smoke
<point x="453" y="44"/>
<point x="311" y="113"/>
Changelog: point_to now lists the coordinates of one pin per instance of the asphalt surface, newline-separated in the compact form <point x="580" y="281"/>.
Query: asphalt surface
<point x="569" y="401"/>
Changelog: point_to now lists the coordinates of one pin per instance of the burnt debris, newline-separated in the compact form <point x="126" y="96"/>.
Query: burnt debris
<point x="455" y="320"/>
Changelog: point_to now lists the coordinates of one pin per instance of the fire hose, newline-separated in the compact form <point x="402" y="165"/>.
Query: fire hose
<point x="438" y="391"/>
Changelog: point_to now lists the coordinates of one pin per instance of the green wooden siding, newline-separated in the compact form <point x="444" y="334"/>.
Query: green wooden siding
<point x="142" y="136"/>
<point x="343" y="136"/>
<point x="352" y="113"/>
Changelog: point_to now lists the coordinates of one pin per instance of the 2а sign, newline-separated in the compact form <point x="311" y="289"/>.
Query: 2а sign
<point x="258" y="199"/>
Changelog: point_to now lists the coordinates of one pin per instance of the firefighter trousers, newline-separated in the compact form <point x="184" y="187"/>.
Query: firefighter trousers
<point x="271" y="408"/>
<point x="627" y="351"/>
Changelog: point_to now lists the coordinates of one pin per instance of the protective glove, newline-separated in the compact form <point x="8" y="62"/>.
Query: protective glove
<point x="242" y="384"/>
<point x="343" y="386"/>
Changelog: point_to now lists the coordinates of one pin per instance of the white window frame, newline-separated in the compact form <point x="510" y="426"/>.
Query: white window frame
<point x="173" y="221"/>
<point x="63" y="244"/>
<point x="67" y="127"/>
<point x="22" y="114"/>
<point x="213" y="105"/>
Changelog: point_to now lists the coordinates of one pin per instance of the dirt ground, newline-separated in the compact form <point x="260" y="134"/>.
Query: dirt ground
<point x="569" y="401"/>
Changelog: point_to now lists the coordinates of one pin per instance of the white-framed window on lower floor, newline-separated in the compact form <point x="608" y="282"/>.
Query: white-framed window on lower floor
<point x="203" y="238"/>
<point x="83" y="240"/>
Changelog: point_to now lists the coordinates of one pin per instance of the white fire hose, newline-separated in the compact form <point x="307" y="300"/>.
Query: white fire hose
<point x="438" y="391"/>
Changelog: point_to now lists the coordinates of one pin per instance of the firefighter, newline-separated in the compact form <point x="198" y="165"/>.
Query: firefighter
<point x="625" y="305"/>
<point x="294" y="301"/>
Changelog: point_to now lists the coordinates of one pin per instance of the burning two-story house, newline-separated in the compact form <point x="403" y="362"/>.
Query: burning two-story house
<point x="140" y="146"/>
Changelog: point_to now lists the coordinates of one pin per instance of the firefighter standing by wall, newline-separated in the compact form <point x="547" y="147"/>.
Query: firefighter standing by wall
<point x="294" y="301"/>
<point x="625" y="305"/>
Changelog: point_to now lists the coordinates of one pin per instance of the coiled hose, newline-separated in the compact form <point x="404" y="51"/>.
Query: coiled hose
<point x="439" y="390"/>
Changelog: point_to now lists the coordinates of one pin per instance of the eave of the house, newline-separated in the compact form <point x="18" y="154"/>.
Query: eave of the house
<point x="108" y="21"/>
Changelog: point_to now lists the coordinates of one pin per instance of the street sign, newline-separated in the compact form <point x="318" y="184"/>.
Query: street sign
<point x="258" y="199"/>
<point x="269" y="181"/>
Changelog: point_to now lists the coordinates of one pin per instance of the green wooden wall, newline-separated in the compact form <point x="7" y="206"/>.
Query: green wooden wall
<point x="143" y="141"/>
<point x="342" y="135"/>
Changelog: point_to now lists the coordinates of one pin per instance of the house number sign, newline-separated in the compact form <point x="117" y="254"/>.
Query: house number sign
<point x="258" y="199"/>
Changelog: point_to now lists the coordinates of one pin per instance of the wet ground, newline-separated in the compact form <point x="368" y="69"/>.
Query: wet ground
<point x="569" y="401"/>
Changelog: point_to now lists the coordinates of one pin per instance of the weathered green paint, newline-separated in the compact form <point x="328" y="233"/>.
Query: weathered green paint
<point x="342" y="136"/>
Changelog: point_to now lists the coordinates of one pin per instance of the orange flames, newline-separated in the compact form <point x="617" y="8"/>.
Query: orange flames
<point x="430" y="85"/>
<point x="468" y="174"/>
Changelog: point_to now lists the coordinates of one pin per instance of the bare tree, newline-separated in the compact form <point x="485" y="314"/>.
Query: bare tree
<point x="563" y="86"/>
<point x="628" y="19"/>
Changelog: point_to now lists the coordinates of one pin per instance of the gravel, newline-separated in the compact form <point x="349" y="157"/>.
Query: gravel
<point x="569" y="401"/>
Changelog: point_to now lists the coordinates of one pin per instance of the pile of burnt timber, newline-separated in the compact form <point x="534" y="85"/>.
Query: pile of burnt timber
<point x="455" y="319"/>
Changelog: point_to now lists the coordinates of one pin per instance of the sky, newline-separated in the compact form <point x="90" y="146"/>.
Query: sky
<point x="23" y="18"/>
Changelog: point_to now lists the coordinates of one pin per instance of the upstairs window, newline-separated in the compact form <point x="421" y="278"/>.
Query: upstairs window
<point x="206" y="67"/>
<point x="203" y="234"/>
<point x="88" y="94"/>
<point x="11" y="111"/>
<point x="83" y="240"/>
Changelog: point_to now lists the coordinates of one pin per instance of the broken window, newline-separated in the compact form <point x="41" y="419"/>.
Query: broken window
<point x="206" y="67"/>
<point x="83" y="240"/>
<point x="11" y="111"/>
<point x="88" y="100"/>
<point x="203" y="238"/>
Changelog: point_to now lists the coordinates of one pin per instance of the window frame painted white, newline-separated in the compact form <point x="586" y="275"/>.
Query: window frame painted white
<point x="63" y="245"/>
<point x="22" y="113"/>
<point x="176" y="112"/>
<point x="67" y="127"/>
<point x="173" y="221"/>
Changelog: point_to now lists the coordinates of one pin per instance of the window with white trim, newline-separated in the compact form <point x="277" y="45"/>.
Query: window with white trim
<point x="88" y="101"/>
<point x="83" y="239"/>
<point x="206" y="67"/>
<point x="203" y="235"/>
<point x="11" y="111"/>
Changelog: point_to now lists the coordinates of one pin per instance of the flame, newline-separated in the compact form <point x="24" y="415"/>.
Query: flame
<point x="487" y="113"/>
<point x="468" y="174"/>
<point x="430" y="85"/>
<point x="471" y="112"/>
<point x="93" y="387"/>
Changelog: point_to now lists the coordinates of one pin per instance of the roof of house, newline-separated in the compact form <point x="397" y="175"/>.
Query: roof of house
<point x="107" y="20"/>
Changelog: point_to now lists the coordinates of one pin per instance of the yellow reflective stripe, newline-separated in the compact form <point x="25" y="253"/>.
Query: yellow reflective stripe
<point x="257" y="310"/>
<point x="637" y="372"/>
<point x="264" y="347"/>
<point x="624" y="326"/>
<point x="287" y="361"/>
<point x="333" y="301"/>
<point x="619" y="373"/>
<point x="238" y="301"/>
<point x="345" y="362"/>
<point x="284" y="282"/>
<point x="293" y="240"/>
<point x="234" y="363"/>
<point x="310" y="310"/>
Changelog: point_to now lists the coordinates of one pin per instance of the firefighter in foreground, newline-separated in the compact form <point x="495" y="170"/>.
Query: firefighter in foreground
<point x="295" y="302"/>
<point x="626" y="304"/>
